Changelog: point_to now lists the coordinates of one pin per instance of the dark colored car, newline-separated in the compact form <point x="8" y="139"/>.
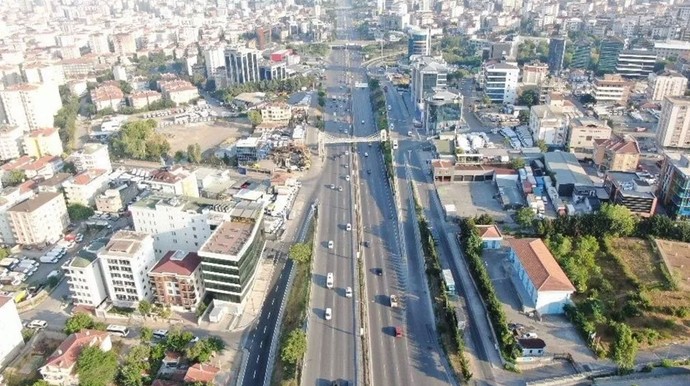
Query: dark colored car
<point x="366" y="244"/>
<point x="378" y="271"/>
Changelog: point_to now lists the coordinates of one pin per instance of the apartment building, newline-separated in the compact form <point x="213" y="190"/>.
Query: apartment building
<point x="618" y="153"/>
<point x="176" y="280"/>
<point x="179" y="91"/>
<point x="276" y="112"/>
<point x="10" y="142"/>
<point x="61" y="366"/>
<point x="556" y="54"/>
<point x="272" y="71"/>
<point x="582" y="134"/>
<point x="85" y="278"/>
<point x="611" y="89"/>
<point x="124" y="44"/>
<point x="176" y="181"/>
<point x="83" y="188"/>
<point x="214" y="59"/>
<point x="125" y="262"/>
<point x="549" y="122"/>
<point x="582" y="54"/>
<point x="143" y="98"/>
<point x="668" y="83"/>
<point x="12" y="340"/>
<point x="42" y="142"/>
<point x="230" y="256"/>
<point x="499" y="81"/>
<point x="609" y="50"/>
<point x="443" y="112"/>
<point x="92" y="156"/>
<point x="29" y="106"/>
<point x="116" y="199"/>
<point x="636" y="63"/>
<point x="242" y="65"/>
<point x="11" y="196"/>
<point x="427" y="74"/>
<point x="44" y="72"/>
<point x="671" y="48"/>
<point x="98" y="44"/>
<point x="673" y="128"/>
<point x="419" y="42"/>
<point x="631" y="191"/>
<point x="107" y="96"/>
<point x="534" y="73"/>
<point x="39" y="220"/>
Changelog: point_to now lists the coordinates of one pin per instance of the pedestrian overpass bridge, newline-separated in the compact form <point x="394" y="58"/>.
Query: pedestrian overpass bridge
<point x="328" y="139"/>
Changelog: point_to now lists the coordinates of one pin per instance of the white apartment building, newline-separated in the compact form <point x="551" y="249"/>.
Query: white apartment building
<point x="276" y="112"/>
<point x="673" y="128"/>
<point x="124" y="44"/>
<point x="125" y="262"/>
<point x="549" y="122"/>
<point x="534" y="73"/>
<point x="179" y="91"/>
<point x="176" y="181"/>
<point x="92" y="156"/>
<point x="500" y="81"/>
<point x="143" y="98"/>
<point x="107" y="96"/>
<point x="98" y="43"/>
<point x="10" y="142"/>
<point x="612" y="88"/>
<point x="242" y="64"/>
<point x="41" y="142"/>
<point x="10" y="197"/>
<point x="582" y="132"/>
<point x="12" y="339"/>
<point x="176" y="223"/>
<point x="670" y="48"/>
<point x="214" y="59"/>
<point x="428" y="74"/>
<point x="29" y="106"/>
<point x="669" y="83"/>
<point x="83" y="188"/>
<point x="42" y="72"/>
<point x="38" y="220"/>
<point x="85" y="279"/>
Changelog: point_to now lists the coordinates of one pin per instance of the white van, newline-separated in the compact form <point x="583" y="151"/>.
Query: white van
<point x="115" y="329"/>
<point x="329" y="280"/>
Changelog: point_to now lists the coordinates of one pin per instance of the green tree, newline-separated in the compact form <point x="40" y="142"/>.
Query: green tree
<point x="68" y="167"/>
<point x="618" y="220"/>
<point x="294" y="347"/>
<point x="125" y="87"/>
<point x="528" y="98"/>
<point x="77" y="322"/>
<point x="300" y="252"/>
<point x="178" y="340"/>
<point x="40" y="383"/>
<point x="145" y="308"/>
<point x="194" y="153"/>
<point x="254" y="117"/>
<point x="96" y="367"/>
<point x="523" y="116"/>
<point x="164" y="312"/>
<point x="517" y="163"/>
<point x="200" y="352"/>
<point x="180" y="155"/>
<point x="139" y="140"/>
<point x="541" y="144"/>
<point x="524" y="216"/>
<point x="14" y="178"/>
<point x="146" y="334"/>
<point x="587" y="98"/>
<point x="79" y="212"/>
<point x="624" y="348"/>
<point x="136" y="363"/>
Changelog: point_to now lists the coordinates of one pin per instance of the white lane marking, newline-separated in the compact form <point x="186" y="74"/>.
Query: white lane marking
<point x="261" y="344"/>
<point x="257" y="358"/>
<point x="265" y="329"/>
<point x="273" y="301"/>
<point x="269" y="314"/>
<point x="254" y="376"/>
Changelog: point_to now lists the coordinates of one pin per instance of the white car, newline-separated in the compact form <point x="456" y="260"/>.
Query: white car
<point x="330" y="244"/>
<point x="348" y="227"/>
<point x="366" y="154"/>
<point x="348" y="292"/>
<point x="37" y="324"/>
<point x="329" y="280"/>
<point x="328" y="314"/>
<point x="347" y="178"/>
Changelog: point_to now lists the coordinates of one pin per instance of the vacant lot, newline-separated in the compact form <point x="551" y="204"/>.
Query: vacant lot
<point x="637" y="255"/>
<point x="473" y="199"/>
<point x="207" y="134"/>
<point x="676" y="256"/>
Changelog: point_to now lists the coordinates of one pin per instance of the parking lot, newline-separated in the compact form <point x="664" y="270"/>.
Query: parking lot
<point x="558" y="333"/>
<point x="481" y="200"/>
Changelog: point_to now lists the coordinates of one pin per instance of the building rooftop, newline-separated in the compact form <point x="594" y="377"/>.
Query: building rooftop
<point x="179" y="263"/>
<point x="42" y="132"/>
<point x="620" y="145"/>
<point x="169" y="176"/>
<point x="632" y="184"/>
<point x="489" y="231"/>
<point x="106" y="93"/>
<point x="201" y="373"/>
<point x="566" y="168"/>
<point x="67" y="353"/>
<point x="4" y="300"/>
<point x="125" y="243"/>
<point x="532" y="343"/>
<point x="540" y="265"/>
<point x="35" y="203"/>
<point x="85" y="177"/>
<point x="228" y="238"/>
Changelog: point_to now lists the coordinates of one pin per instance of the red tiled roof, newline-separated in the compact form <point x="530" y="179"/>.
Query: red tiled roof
<point x="183" y="267"/>
<point x="489" y="231"/>
<point x="87" y="176"/>
<point x="42" y="132"/>
<point x="540" y="265"/>
<point x="201" y="373"/>
<point x="620" y="145"/>
<point x="4" y="300"/>
<point x="67" y="353"/>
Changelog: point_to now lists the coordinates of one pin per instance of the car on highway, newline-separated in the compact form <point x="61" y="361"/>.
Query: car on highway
<point x="37" y="324"/>
<point x="329" y="280"/>
<point x="362" y="121"/>
<point x="409" y="133"/>
<point x="366" y="154"/>
<point x="366" y="244"/>
<point x="348" y="227"/>
<point x="378" y="271"/>
<point x="368" y="171"/>
<point x="390" y="108"/>
<point x="340" y="188"/>
<point x="347" y="178"/>
<point x="330" y="244"/>
<point x="332" y="186"/>
<point x="328" y="314"/>
<point x="348" y="292"/>
<point x="394" y="301"/>
<point x="347" y="152"/>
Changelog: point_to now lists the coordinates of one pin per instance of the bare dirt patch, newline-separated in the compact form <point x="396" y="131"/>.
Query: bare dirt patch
<point x="638" y="256"/>
<point x="207" y="134"/>
<point x="676" y="256"/>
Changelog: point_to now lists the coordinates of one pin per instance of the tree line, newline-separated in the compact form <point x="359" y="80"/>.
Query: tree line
<point x="139" y="140"/>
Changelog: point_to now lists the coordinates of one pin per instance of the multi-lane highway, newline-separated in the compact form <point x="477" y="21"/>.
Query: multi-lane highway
<point x="332" y="352"/>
